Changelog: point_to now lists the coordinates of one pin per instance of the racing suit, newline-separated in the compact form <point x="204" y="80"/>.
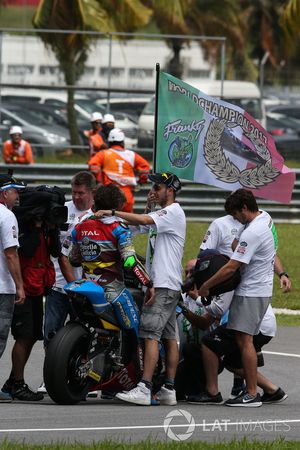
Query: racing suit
<point x="103" y="247"/>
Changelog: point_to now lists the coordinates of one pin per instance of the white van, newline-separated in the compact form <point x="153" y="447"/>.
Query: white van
<point x="242" y="93"/>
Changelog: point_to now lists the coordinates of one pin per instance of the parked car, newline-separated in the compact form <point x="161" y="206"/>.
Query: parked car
<point x="288" y="110"/>
<point x="286" y="133"/>
<point x="45" y="139"/>
<point x="131" y="106"/>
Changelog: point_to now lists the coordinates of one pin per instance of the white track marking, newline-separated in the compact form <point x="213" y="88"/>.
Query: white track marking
<point x="149" y="427"/>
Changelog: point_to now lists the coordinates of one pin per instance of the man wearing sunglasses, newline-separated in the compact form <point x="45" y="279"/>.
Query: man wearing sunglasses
<point x="166" y="227"/>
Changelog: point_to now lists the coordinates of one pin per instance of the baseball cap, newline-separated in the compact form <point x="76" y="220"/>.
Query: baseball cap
<point x="96" y="116"/>
<point x="108" y="118"/>
<point x="169" y="179"/>
<point x="15" y="130"/>
<point x="9" y="182"/>
<point x="116" y="135"/>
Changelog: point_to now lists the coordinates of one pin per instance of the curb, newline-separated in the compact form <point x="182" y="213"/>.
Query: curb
<point x="291" y="312"/>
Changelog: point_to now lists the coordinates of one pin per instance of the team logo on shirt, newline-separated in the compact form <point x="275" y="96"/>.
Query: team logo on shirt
<point x="161" y="212"/>
<point x="14" y="232"/>
<point x="242" y="247"/>
<point x="208" y="233"/>
<point x="234" y="231"/>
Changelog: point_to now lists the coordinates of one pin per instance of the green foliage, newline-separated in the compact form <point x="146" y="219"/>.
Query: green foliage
<point x="289" y="252"/>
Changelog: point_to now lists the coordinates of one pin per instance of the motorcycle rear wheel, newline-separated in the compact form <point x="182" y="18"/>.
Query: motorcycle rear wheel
<point x="66" y="351"/>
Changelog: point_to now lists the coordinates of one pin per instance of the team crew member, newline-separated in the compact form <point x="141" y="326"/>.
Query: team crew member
<point x="95" y="135"/>
<point x="11" y="284"/>
<point x="38" y="240"/>
<point x="118" y="166"/>
<point x="255" y="255"/>
<point x="167" y="228"/>
<point x="16" y="150"/>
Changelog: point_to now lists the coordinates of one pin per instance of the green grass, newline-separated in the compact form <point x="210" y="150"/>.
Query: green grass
<point x="289" y="252"/>
<point x="243" y="444"/>
<point x="285" y="320"/>
<point x="75" y="158"/>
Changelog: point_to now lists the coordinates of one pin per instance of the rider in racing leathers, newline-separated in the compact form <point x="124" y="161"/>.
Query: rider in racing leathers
<point x="103" y="246"/>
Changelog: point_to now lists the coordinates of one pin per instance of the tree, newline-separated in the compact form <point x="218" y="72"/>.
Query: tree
<point x="206" y="18"/>
<point x="72" y="49"/>
<point x="170" y="19"/>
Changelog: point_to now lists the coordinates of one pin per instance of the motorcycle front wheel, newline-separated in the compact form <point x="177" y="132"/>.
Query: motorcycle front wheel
<point x="67" y="351"/>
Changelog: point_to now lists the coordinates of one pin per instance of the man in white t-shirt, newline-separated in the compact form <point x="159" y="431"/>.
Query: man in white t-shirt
<point x="254" y="256"/>
<point x="220" y="236"/>
<point x="11" y="284"/>
<point x="166" y="228"/>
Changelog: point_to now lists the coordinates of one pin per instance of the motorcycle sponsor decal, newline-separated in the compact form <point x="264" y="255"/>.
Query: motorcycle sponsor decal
<point x="125" y="380"/>
<point x="89" y="250"/>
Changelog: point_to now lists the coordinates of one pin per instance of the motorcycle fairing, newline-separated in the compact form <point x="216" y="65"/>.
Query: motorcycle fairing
<point x="126" y="379"/>
<point x="93" y="291"/>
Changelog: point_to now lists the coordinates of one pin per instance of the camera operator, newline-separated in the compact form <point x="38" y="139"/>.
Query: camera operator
<point x="38" y="240"/>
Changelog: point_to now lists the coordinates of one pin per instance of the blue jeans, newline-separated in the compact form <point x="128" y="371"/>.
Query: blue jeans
<point x="7" y="303"/>
<point x="56" y="311"/>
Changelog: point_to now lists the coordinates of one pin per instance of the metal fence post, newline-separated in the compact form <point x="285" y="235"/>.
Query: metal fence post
<point x="109" y="72"/>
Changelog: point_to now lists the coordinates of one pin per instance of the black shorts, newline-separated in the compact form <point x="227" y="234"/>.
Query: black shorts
<point x="222" y="342"/>
<point x="28" y="319"/>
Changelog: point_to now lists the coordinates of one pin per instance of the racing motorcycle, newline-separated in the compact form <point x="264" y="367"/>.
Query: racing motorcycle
<point x="100" y="350"/>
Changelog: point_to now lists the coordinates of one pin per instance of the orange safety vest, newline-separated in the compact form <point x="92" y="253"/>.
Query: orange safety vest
<point x="17" y="155"/>
<point x="96" y="142"/>
<point x="118" y="166"/>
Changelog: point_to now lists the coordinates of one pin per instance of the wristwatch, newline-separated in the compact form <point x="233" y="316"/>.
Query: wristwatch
<point x="283" y="273"/>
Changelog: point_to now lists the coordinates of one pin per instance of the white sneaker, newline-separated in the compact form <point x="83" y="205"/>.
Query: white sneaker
<point x="166" y="396"/>
<point x="92" y="394"/>
<point x="42" y="389"/>
<point x="140" y="395"/>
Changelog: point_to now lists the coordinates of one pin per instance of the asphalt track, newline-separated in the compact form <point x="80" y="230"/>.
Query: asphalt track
<point x="96" y="420"/>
